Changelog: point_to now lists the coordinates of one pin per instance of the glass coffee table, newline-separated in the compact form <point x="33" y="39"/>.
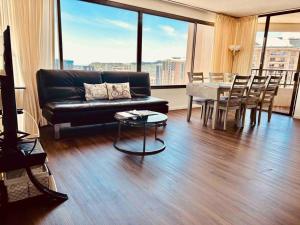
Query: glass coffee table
<point x="156" y="120"/>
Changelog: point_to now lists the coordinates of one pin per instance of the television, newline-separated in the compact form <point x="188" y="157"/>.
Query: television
<point x="9" y="109"/>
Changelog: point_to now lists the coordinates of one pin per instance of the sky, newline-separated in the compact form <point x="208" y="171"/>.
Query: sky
<point x="97" y="33"/>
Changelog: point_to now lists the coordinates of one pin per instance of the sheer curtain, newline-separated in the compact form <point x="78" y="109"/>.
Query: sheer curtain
<point x="225" y="30"/>
<point x="246" y="32"/>
<point x="238" y="31"/>
<point x="32" y="28"/>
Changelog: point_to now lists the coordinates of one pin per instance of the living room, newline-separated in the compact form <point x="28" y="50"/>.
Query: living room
<point x="149" y="112"/>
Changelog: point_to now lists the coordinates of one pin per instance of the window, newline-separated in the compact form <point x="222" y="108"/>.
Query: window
<point x="164" y="50"/>
<point x="103" y="37"/>
<point x="97" y="37"/>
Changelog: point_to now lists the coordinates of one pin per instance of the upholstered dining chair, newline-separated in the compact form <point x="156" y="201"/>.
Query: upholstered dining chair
<point x="197" y="77"/>
<point x="252" y="98"/>
<point x="232" y="102"/>
<point x="216" y="77"/>
<point x="268" y="96"/>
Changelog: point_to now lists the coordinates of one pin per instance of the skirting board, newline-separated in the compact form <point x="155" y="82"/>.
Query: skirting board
<point x="297" y="117"/>
<point x="182" y="107"/>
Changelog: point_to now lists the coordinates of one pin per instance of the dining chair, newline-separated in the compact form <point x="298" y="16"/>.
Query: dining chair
<point x="232" y="102"/>
<point x="252" y="98"/>
<point x="196" y="77"/>
<point x="268" y="96"/>
<point x="216" y="77"/>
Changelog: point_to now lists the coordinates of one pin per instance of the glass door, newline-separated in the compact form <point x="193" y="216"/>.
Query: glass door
<point x="282" y="55"/>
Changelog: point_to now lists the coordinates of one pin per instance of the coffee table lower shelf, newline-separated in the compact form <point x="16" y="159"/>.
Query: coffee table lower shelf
<point x="144" y="151"/>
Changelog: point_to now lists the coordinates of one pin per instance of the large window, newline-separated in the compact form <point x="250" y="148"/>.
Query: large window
<point x="97" y="37"/>
<point x="106" y="38"/>
<point x="164" y="50"/>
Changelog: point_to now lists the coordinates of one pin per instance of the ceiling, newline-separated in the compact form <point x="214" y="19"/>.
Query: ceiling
<point x="241" y="8"/>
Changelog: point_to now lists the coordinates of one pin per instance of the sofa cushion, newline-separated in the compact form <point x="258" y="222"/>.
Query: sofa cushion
<point x="95" y="91"/>
<point x="80" y="106"/>
<point x="118" y="90"/>
<point x="139" y="81"/>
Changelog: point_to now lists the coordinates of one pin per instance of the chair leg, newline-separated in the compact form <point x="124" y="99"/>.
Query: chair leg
<point x="205" y="113"/>
<point x="270" y="112"/>
<point x="259" y="114"/>
<point x="244" y="116"/>
<point x="189" y="113"/>
<point x="225" y="120"/>
<point x="201" y="111"/>
<point x="239" y="118"/>
<point x="254" y="116"/>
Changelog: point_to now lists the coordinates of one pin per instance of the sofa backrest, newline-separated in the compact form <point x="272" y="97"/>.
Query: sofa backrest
<point x="59" y="85"/>
<point x="139" y="81"/>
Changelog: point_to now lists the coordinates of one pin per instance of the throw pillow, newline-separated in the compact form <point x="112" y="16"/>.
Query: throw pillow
<point x="118" y="90"/>
<point x="95" y="91"/>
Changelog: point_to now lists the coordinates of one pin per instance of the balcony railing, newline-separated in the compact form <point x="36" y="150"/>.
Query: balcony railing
<point x="287" y="75"/>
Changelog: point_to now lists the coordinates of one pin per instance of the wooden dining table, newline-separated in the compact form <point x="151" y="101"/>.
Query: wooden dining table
<point x="210" y="91"/>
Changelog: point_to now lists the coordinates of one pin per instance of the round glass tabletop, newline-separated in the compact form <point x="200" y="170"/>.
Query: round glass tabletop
<point x="157" y="118"/>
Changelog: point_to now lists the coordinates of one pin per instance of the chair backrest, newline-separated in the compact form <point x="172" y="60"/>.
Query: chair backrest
<point x="237" y="89"/>
<point x="216" y="77"/>
<point x="271" y="89"/>
<point x="196" y="77"/>
<point x="228" y="77"/>
<point x="255" y="89"/>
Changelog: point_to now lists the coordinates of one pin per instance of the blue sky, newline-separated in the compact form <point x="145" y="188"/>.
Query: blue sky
<point x="97" y="33"/>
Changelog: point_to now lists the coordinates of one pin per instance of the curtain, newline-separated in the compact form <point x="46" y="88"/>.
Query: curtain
<point x="246" y="32"/>
<point x="188" y="61"/>
<point x="225" y="30"/>
<point x="32" y="28"/>
<point x="203" y="49"/>
<point x="238" y="31"/>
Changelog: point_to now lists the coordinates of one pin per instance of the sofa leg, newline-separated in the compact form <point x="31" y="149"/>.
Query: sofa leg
<point x="57" y="129"/>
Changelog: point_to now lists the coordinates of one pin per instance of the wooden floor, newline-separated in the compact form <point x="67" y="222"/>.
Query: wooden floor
<point x="203" y="177"/>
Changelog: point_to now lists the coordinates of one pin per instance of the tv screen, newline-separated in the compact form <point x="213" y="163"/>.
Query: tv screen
<point x="9" y="109"/>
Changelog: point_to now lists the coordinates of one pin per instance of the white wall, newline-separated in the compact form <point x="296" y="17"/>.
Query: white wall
<point x="176" y="97"/>
<point x="167" y="7"/>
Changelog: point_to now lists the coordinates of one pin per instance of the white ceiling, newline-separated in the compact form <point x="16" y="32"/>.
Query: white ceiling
<point x="241" y="8"/>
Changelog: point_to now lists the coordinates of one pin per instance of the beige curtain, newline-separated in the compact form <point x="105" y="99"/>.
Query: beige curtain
<point x="203" y="49"/>
<point x="246" y="32"/>
<point x="229" y="31"/>
<point x="188" y="61"/>
<point x="225" y="30"/>
<point x="32" y="25"/>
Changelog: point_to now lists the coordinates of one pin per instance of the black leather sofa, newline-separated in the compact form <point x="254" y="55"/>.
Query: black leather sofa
<point x="62" y="97"/>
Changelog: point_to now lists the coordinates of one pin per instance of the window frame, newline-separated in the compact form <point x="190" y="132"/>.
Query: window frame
<point x="141" y="11"/>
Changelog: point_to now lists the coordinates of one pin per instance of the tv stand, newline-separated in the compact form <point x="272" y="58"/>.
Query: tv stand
<point x="29" y="153"/>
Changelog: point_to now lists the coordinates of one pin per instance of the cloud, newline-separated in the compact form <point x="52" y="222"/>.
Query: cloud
<point x="73" y="19"/>
<point x="146" y="29"/>
<point x="122" y="24"/>
<point x="168" y="30"/>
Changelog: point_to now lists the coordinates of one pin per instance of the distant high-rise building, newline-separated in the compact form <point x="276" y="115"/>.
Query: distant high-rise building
<point x="281" y="57"/>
